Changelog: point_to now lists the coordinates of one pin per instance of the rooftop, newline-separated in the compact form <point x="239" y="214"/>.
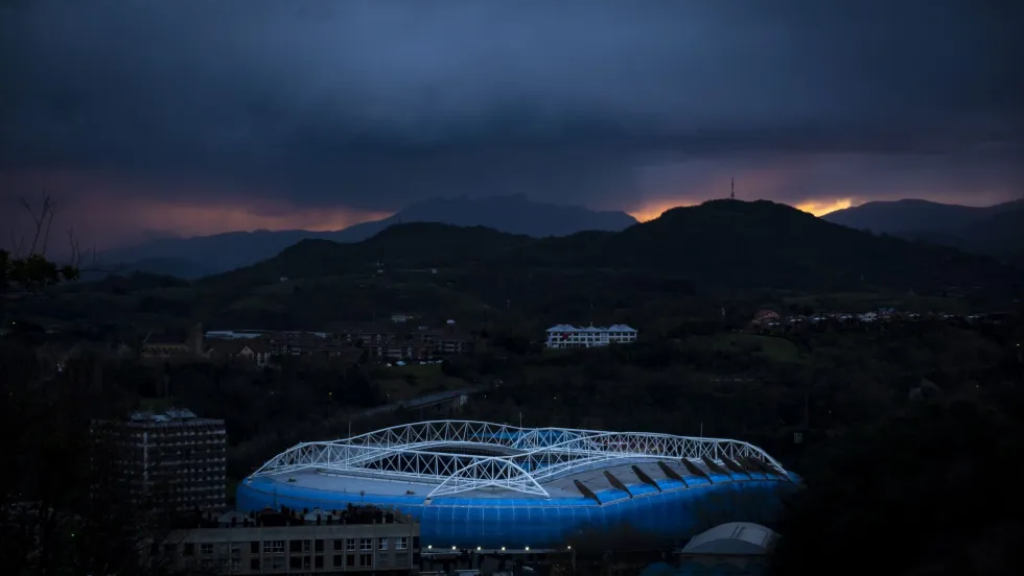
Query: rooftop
<point x="169" y="417"/>
<point x="571" y="328"/>
<point x="287" y="517"/>
<point x="485" y="460"/>
<point x="732" y="539"/>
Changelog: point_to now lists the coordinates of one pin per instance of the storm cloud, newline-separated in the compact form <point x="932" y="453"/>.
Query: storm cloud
<point x="368" y="105"/>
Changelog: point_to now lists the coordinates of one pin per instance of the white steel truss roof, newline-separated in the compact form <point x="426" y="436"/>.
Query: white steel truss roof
<point x="526" y="457"/>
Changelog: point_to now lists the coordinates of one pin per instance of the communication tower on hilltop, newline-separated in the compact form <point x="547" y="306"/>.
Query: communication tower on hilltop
<point x="732" y="188"/>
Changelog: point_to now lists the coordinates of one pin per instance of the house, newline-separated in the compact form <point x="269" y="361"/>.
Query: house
<point x="253" y="351"/>
<point x="166" y="346"/>
<point x="564" y="336"/>
<point x="400" y="341"/>
<point x="868" y="317"/>
<point x="765" y="318"/>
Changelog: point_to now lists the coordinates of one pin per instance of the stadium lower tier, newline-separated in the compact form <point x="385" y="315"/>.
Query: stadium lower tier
<point x="672" y="510"/>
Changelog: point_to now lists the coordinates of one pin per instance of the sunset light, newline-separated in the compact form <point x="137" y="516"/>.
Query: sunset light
<point x="816" y="207"/>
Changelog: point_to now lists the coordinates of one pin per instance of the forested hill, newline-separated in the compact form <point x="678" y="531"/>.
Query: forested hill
<point x="719" y="244"/>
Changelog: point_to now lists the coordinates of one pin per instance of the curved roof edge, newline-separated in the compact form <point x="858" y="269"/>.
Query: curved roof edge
<point x="733" y="539"/>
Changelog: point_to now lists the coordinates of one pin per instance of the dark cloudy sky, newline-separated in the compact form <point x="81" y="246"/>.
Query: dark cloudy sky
<point x="193" y="117"/>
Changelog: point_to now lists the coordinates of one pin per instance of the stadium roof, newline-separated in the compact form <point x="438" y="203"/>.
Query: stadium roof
<point x="486" y="460"/>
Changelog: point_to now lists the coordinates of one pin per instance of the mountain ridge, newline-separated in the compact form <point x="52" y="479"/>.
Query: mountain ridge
<point x="514" y="214"/>
<point x="991" y="230"/>
<point x="721" y="243"/>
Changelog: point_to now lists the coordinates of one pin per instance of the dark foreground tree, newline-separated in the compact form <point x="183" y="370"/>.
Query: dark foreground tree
<point x="931" y="493"/>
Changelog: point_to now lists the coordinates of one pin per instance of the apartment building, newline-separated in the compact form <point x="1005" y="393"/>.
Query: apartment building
<point x="175" y="460"/>
<point x="567" y="336"/>
<point x="400" y="342"/>
<point x="361" y="539"/>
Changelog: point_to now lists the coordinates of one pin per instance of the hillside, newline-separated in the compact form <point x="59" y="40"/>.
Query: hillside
<point x="511" y="214"/>
<point x="993" y="230"/>
<point x="721" y="244"/>
<point x="902" y="216"/>
<point x="174" y="267"/>
<point x="416" y="246"/>
<point x="514" y="214"/>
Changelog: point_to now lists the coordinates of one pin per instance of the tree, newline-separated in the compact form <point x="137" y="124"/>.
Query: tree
<point x="926" y="493"/>
<point x="27" y="268"/>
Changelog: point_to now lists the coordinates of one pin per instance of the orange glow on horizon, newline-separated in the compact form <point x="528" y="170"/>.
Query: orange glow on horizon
<point x="816" y="207"/>
<point x="204" y="219"/>
<point x="109" y="210"/>
<point x="648" y="213"/>
<point x="823" y="207"/>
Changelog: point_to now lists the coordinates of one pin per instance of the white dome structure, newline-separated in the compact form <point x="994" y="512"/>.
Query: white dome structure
<point x="732" y="539"/>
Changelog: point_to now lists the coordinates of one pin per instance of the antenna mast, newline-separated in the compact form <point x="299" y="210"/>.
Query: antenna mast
<point x="732" y="188"/>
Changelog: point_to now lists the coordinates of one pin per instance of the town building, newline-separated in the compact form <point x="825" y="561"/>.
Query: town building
<point x="254" y="352"/>
<point x="356" y="539"/>
<point x="169" y="347"/>
<point x="568" y="336"/>
<point x="175" y="461"/>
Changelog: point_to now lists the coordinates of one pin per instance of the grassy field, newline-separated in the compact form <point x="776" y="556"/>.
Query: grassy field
<point x="399" y="383"/>
<point x="776" y="349"/>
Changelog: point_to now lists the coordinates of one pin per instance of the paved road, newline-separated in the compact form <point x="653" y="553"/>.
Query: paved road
<point x="418" y="402"/>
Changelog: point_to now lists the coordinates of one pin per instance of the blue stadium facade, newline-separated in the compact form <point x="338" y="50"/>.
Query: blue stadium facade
<point x="477" y="484"/>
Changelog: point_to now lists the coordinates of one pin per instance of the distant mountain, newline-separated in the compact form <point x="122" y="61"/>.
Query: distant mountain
<point x="719" y="244"/>
<point x="512" y="214"/>
<point x="993" y="230"/>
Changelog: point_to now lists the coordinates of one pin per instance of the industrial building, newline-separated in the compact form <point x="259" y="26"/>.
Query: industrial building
<point x="478" y="486"/>
<point x="174" y="461"/>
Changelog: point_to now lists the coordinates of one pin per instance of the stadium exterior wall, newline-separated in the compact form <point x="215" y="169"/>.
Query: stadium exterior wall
<point x="677" y="511"/>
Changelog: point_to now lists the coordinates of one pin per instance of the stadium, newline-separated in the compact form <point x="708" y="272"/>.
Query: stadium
<point x="479" y="485"/>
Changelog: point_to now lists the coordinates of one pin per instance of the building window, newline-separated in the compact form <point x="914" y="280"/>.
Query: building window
<point x="190" y="549"/>
<point x="339" y="560"/>
<point x="339" y="545"/>
<point x="382" y="543"/>
<point x="318" y="562"/>
<point x="366" y="544"/>
<point x="350" y="544"/>
<point x="254" y="547"/>
<point x="401" y="559"/>
<point x="382" y="560"/>
<point x="206" y="549"/>
<point x="319" y="546"/>
<point x="273" y="547"/>
<point x="365" y="560"/>
<point x="402" y="543"/>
